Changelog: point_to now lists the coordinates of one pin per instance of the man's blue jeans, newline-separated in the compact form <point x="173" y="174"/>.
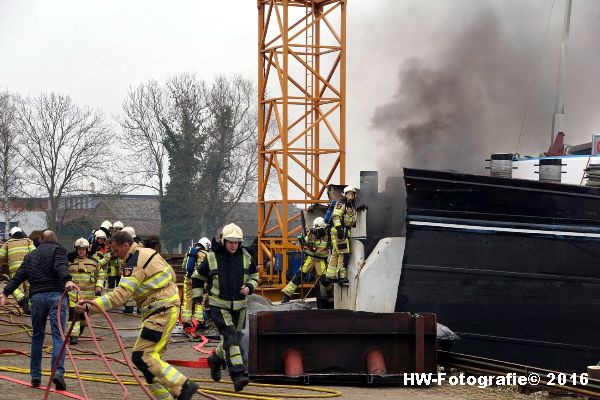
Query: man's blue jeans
<point x="44" y="305"/>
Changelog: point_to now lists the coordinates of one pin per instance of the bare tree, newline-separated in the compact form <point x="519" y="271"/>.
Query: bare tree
<point x="230" y="159"/>
<point x="11" y="165"/>
<point x="143" y="110"/>
<point x="62" y="144"/>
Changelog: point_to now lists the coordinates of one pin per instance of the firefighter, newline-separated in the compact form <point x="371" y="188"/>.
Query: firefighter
<point x="231" y="275"/>
<point x="192" y="313"/>
<point x="131" y="231"/>
<point x="100" y="251"/>
<point x="88" y="275"/>
<point x="129" y="304"/>
<point x="343" y="219"/>
<point x="13" y="252"/>
<point x="316" y="249"/>
<point x="152" y="283"/>
<point x="116" y="227"/>
<point x="106" y="226"/>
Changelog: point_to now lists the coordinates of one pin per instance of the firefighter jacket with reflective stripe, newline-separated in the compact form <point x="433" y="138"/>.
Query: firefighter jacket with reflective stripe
<point x="315" y="246"/>
<point x="226" y="273"/>
<point x="14" y="251"/>
<point x="148" y="279"/>
<point x="344" y="214"/>
<point x="102" y="255"/>
<point x="114" y="266"/>
<point x="88" y="275"/>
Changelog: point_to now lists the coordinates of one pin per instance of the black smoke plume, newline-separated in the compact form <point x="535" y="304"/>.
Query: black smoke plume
<point x="452" y="113"/>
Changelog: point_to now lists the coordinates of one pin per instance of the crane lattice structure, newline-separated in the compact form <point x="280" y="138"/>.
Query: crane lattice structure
<point x="301" y="118"/>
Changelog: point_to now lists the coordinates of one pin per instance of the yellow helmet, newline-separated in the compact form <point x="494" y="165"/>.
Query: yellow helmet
<point x="106" y="225"/>
<point x="233" y="233"/>
<point x="81" y="242"/>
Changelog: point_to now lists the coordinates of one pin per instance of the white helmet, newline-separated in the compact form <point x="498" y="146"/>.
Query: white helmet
<point x="129" y="230"/>
<point x="349" y="188"/>
<point x="118" y="225"/>
<point x="106" y="225"/>
<point x="205" y="242"/>
<point x="100" y="234"/>
<point x="14" y="230"/>
<point x="233" y="233"/>
<point x="81" y="242"/>
<point x="319" y="223"/>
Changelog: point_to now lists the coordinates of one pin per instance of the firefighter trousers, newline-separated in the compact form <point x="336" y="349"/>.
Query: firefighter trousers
<point x="336" y="268"/>
<point x="230" y="325"/>
<point x="80" y="324"/>
<point x="163" y="380"/>
<point x="19" y="294"/>
<point x="309" y="264"/>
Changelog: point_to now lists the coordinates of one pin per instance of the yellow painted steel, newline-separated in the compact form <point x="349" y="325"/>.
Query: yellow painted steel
<point x="301" y="118"/>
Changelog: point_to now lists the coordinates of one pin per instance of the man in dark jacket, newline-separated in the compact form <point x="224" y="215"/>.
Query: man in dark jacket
<point x="46" y="270"/>
<point x="231" y="275"/>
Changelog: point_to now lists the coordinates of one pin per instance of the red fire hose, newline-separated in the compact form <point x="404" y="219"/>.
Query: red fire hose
<point x="99" y="350"/>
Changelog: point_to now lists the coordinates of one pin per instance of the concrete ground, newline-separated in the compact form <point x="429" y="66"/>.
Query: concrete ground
<point x="13" y="335"/>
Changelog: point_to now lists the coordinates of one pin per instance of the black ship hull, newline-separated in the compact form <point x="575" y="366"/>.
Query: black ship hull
<point x="512" y="266"/>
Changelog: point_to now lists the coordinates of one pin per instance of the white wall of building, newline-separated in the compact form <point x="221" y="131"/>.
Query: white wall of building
<point x="31" y="220"/>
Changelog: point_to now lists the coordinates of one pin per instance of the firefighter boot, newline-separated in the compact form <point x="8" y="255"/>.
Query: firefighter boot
<point x="24" y="304"/>
<point x="73" y="339"/>
<point x="128" y="310"/>
<point x="285" y="299"/>
<point x="189" y="389"/>
<point x="240" y="382"/>
<point x="214" y="363"/>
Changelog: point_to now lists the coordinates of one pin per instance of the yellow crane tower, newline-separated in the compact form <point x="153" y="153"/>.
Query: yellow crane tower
<point x="301" y="119"/>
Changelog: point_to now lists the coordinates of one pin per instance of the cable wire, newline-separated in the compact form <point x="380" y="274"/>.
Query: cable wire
<point x="534" y="74"/>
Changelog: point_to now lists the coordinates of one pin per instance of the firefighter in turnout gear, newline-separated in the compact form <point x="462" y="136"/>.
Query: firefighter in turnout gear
<point x="106" y="227"/>
<point x="12" y="253"/>
<point x="129" y="304"/>
<point x="131" y="231"/>
<point x="88" y="275"/>
<point x="192" y="312"/>
<point x="343" y="219"/>
<point x="152" y="283"/>
<point x="100" y="250"/>
<point x="231" y="275"/>
<point x="116" y="227"/>
<point x="316" y="249"/>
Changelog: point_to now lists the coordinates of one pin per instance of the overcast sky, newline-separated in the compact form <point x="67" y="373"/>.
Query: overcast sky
<point x="94" y="50"/>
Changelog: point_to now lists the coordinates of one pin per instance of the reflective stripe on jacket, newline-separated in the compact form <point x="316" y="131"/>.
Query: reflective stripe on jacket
<point x="148" y="279"/>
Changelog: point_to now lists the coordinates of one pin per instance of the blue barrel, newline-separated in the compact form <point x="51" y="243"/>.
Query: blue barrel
<point x="294" y="262"/>
<point x="278" y="266"/>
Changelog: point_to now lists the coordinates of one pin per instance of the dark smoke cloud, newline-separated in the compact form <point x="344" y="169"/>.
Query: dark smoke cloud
<point x="455" y="110"/>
